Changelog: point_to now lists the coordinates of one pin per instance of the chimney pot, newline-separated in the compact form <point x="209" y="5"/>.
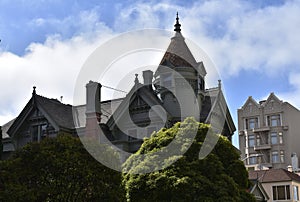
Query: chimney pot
<point x="148" y="77"/>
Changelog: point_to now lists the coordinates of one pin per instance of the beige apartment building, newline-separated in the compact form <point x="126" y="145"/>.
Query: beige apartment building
<point x="269" y="134"/>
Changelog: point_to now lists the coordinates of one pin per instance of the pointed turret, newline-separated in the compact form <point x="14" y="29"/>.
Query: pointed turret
<point x="178" y="54"/>
<point x="178" y="75"/>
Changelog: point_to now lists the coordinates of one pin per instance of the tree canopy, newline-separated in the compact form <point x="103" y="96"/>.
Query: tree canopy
<point x="220" y="176"/>
<point x="57" y="169"/>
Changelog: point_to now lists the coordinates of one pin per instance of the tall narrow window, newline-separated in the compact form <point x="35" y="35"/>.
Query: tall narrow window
<point x="282" y="156"/>
<point x="246" y="124"/>
<point x="252" y="160"/>
<point x="274" y="138"/>
<point x="258" y="140"/>
<point x="201" y="84"/>
<point x="35" y="133"/>
<point x="280" y="138"/>
<point x="252" y="123"/>
<point x="296" y="193"/>
<point x="275" y="157"/>
<point x="251" y="141"/>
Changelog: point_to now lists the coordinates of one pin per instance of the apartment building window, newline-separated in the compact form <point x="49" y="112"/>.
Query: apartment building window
<point x="282" y="156"/>
<point x="251" y="123"/>
<point x="281" y="192"/>
<point x="252" y="160"/>
<point x="280" y="138"/>
<point x="274" y="138"/>
<point x="296" y="193"/>
<point x="274" y="120"/>
<point x="257" y="140"/>
<point x="275" y="157"/>
<point x="251" y="141"/>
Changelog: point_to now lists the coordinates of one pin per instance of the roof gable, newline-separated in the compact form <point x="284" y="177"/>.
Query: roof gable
<point x="272" y="103"/>
<point x="250" y="103"/>
<point x="214" y="102"/>
<point x="57" y="113"/>
<point x="5" y="128"/>
<point x="139" y="91"/>
<point x="259" y="192"/>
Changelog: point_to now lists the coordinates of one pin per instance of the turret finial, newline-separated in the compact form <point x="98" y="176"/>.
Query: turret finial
<point x="136" y="80"/>
<point x="34" y="92"/>
<point x="177" y="25"/>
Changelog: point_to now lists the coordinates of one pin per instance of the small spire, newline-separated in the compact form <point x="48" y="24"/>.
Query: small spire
<point x="34" y="92"/>
<point x="177" y="25"/>
<point x="219" y="84"/>
<point x="136" y="80"/>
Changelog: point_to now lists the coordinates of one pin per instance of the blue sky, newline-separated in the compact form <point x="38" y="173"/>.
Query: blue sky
<point x="255" y="44"/>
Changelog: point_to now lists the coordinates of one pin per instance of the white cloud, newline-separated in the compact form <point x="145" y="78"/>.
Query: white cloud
<point x="52" y="67"/>
<point x="292" y="96"/>
<point x="235" y="35"/>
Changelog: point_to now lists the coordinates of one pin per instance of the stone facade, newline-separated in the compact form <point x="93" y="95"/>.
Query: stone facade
<point x="269" y="133"/>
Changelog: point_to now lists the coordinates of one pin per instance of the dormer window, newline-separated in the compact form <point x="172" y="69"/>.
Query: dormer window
<point x="201" y="84"/>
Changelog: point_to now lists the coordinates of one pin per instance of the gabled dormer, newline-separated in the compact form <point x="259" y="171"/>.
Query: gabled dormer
<point x="273" y="104"/>
<point x="251" y="107"/>
<point x="41" y="117"/>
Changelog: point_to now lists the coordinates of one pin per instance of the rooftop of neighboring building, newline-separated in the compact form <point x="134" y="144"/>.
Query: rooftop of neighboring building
<point x="5" y="128"/>
<point x="273" y="175"/>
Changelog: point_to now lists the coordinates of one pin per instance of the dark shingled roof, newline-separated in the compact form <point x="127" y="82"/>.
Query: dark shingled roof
<point x="173" y="60"/>
<point x="5" y="128"/>
<point x="273" y="175"/>
<point x="60" y="113"/>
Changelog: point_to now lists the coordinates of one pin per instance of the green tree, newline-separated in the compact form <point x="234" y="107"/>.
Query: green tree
<point x="220" y="176"/>
<point x="57" y="169"/>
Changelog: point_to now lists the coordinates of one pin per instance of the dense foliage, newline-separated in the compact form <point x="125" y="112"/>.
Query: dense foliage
<point x="57" y="169"/>
<point x="221" y="176"/>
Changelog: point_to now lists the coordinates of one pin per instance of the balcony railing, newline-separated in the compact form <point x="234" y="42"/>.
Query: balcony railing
<point x="262" y="147"/>
<point x="261" y="129"/>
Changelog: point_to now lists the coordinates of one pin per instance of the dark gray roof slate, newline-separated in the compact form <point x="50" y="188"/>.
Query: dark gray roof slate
<point x="60" y="113"/>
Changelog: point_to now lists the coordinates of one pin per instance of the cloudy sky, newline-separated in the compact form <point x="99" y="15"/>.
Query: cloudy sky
<point x="255" y="45"/>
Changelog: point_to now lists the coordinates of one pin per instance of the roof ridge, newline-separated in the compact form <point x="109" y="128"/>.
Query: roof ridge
<point x="53" y="100"/>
